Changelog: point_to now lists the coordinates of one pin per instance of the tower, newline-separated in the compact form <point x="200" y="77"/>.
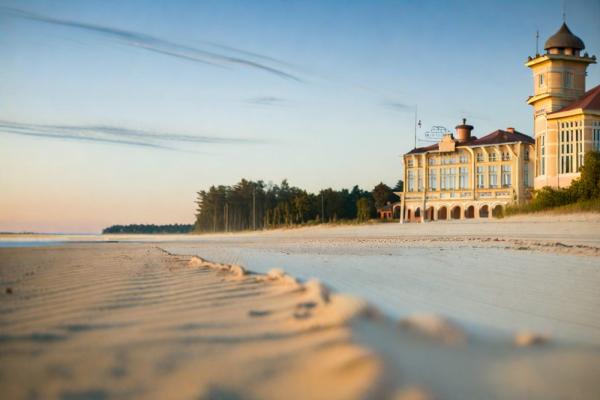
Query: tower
<point x="558" y="80"/>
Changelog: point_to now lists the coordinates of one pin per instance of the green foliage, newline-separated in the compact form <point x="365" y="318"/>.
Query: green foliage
<point x="140" y="228"/>
<point x="583" y="194"/>
<point x="382" y="194"/>
<point x="363" y="209"/>
<point x="399" y="186"/>
<point x="256" y="205"/>
<point x="588" y="185"/>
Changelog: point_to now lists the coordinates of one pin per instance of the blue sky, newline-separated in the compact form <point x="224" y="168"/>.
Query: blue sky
<point x="119" y="111"/>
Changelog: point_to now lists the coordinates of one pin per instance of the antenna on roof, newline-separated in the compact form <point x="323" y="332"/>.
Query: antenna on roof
<point x="564" y="12"/>
<point x="537" y="42"/>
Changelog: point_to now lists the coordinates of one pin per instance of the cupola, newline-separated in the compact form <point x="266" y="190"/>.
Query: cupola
<point x="564" y="42"/>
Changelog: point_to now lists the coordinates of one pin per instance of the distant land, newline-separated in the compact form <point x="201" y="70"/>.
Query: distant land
<point x="151" y="228"/>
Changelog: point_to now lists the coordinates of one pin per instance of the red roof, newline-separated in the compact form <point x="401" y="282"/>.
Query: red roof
<point x="497" y="137"/>
<point x="589" y="101"/>
<point x="423" y="149"/>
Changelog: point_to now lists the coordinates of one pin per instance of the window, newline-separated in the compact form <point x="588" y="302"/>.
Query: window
<point x="568" y="79"/>
<point x="506" y="156"/>
<point x="431" y="161"/>
<point x="493" y="176"/>
<point x="448" y="178"/>
<point x="526" y="175"/>
<point x="410" y="162"/>
<point x="480" y="174"/>
<point x="492" y="156"/>
<point x="464" y="158"/>
<point x="570" y="146"/>
<point x="411" y="181"/>
<point x="542" y="166"/>
<point x="451" y="176"/>
<point x="463" y="180"/>
<point x="506" y="176"/>
<point x="442" y="178"/>
<point x="448" y="160"/>
<point x="579" y="144"/>
<point x="596" y="135"/>
<point x="432" y="179"/>
<point x="479" y="157"/>
<point x="541" y="80"/>
<point x="526" y="157"/>
<point x="420" y="179"/>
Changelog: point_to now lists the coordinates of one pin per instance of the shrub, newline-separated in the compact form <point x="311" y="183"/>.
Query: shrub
<point x="588" y="184"/>
<point x="583" y="194"/>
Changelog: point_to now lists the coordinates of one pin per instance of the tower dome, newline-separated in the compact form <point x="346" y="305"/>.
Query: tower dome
<point x="564" y="39"/>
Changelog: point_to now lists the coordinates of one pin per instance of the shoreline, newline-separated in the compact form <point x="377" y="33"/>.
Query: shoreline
<point x="535" y="218"/>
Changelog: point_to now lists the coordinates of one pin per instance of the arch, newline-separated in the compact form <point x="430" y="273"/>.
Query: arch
<point x="484" y="211"/>
<point x="455" y="212"/>
<point x="397" y="209"/>
<point x="429" y="213"/>
<point x="442" y="212"/>
<point x="470" y="212"/>
<point x="498" y="211"/>
<point x="408" y="214"/>
<point x="417" y="213"/>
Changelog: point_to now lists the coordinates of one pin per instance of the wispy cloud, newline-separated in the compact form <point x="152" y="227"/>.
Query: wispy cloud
<point x="398" y="106"/>
<point x="267" y="101"/>
<point x="118" y="135"/>
<point x="229" y="56"/>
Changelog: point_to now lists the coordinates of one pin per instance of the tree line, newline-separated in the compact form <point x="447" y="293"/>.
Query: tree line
<point x="250" y="205"/>
<point x="141" y="228"/>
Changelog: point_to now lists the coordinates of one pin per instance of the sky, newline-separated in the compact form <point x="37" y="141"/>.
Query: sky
<point x="119" y="111"/>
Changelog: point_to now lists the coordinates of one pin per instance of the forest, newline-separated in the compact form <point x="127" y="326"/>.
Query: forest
<point x="154" y="229"/>
<point x="250" y="205"/>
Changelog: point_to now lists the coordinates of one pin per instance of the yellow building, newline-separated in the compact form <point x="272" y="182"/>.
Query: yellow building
<point x="466" y="177"/>
<point x="566" y="118"/>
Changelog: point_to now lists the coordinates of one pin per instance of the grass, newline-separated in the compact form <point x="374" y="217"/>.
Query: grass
<point x="591" y="205"/>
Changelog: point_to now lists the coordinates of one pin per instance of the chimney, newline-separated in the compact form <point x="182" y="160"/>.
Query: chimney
<point x="463" y="131"/>
<point x="511" y="130"/>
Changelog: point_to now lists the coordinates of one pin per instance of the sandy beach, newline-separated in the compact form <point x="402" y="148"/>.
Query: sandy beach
<point x="129" y="321"/>
<point x="150" y="317"/>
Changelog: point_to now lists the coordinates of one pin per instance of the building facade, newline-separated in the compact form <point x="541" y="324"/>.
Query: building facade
<point x="566" y="117"/>
<point x="466" y="177"/>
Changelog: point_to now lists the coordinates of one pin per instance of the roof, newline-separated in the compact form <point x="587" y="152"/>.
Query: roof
<point x="497" y="137"/>
<point x="589" y="101"/>
<point x="564" y="38"/>
<point x="417" y="150"/>
<point x="500" y="136"/>
<point x="386" y="207"/>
